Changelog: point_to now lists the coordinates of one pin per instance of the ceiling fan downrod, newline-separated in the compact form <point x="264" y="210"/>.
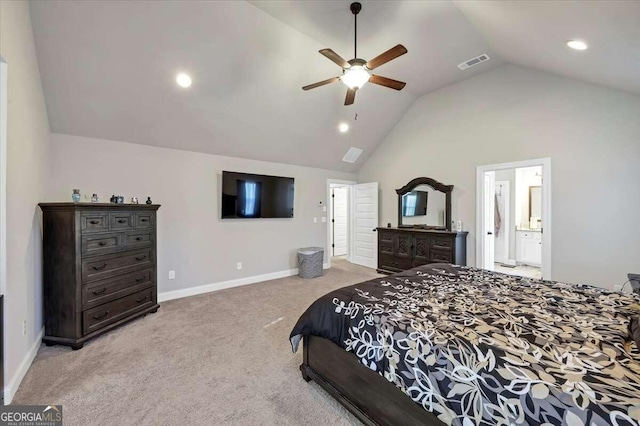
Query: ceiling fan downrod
<point x="355" y="9"/>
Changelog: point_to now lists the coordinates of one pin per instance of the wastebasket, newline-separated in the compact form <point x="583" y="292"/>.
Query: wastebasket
<point x="310" y="262"/>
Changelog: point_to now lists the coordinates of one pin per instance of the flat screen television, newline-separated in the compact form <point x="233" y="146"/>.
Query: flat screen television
<point x="414" y="203"/>
<point x="249" y="196"/>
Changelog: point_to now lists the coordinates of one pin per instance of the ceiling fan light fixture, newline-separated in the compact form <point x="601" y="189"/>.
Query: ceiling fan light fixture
<point x="355" y="76"/>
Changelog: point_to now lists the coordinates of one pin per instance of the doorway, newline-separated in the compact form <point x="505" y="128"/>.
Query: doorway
<point x="352" y="211"/>
<point x="514" y="218"/>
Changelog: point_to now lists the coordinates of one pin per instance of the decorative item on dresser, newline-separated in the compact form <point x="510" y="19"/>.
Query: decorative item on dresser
<point x="414" y="244"/>
<point x="99" y="268"/>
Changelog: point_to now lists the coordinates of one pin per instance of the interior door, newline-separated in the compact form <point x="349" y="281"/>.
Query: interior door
<point x="339" y="220"/>
<point x="489" y="220"/>
<point x="501" y="251"/>
<point x="364" y="220"/>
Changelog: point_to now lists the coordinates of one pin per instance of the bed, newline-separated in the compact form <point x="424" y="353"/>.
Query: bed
<point x="443" y="344"/>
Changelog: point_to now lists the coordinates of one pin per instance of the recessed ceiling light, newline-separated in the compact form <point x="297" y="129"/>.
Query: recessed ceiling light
<point x="577" y="44"/>
<point x="343" y="127"/>
<point x="183" y="80"/>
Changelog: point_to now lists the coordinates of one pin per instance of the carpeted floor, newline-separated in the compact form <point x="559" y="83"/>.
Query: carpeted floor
<point x="217" y="358"/>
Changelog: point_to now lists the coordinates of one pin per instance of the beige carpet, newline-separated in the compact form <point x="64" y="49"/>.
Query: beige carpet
<point x="208" y="359"/>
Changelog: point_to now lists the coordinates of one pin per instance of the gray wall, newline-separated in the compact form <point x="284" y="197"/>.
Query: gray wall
<point x="192" y="239"/>
<point x="27" y="173"/>
<point x="591" y="134"/>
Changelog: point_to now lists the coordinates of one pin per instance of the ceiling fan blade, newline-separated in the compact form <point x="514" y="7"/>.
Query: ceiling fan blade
<point x="321" y="83"/>
<point x="387" y="82"/>
<point x="351" y="97"/>
<point x="387" y="56"/>
<point x="335" y="58"/>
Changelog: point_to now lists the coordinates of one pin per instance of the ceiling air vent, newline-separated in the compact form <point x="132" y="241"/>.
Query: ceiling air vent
<point x="475" y="61"/>
<point x="352" y="155"/>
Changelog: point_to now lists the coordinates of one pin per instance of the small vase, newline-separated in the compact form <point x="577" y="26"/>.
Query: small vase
<point x="76" y="196"/>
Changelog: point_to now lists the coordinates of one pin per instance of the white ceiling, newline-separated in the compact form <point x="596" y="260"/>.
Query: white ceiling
<point x="108" y="67"/>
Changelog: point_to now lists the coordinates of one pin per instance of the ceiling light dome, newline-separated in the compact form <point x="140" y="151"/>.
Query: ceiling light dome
<point x="355" y="76"/>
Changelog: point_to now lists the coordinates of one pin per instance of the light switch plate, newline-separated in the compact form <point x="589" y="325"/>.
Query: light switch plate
<point x="172" y="275"/>
<point x="315" y="220"/>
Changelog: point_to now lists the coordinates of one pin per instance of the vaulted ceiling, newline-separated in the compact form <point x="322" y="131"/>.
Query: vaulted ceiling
<point x="108" y="67"/>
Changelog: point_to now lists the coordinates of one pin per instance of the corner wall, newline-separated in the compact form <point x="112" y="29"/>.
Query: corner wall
<point x="591" y="134"/>
<point x="192" y="239"/>
<point x="27" y="175"/>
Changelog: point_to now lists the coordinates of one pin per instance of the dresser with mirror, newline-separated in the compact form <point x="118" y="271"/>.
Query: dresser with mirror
<point x="424" y="233"/>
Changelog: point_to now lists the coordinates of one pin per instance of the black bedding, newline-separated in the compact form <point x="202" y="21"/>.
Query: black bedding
<point x="482" y="348"/>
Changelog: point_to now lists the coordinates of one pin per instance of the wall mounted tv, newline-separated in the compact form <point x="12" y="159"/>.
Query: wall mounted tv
<point x="248" y="196"/>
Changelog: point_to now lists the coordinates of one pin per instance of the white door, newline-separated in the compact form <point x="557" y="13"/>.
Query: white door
<point x="502" y="231"/>
<point x="489" y="220"/>
<point x="364" y="220"/>
<point x="339" y="220"/>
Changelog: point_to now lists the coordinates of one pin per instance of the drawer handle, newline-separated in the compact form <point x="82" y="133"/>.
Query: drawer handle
<point x="99" y="317"/>
<point x="141" y="279"/>
<point x="141" y="257"/>
<point x="97" y="292"/>
<point x="142" y="300"/>
<point x="144" y="220"/>
<point x="100" y="268"/>
<point x="138" y="238"/>
<point x="102" y="243"/>
<point x="94" y="222"/>
<point x="122" y="221"/>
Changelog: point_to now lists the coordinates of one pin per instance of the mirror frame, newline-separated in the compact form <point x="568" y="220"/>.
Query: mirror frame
<point x="438" y="186"/>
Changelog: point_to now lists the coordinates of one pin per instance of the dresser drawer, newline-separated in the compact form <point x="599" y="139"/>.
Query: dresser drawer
<point x="101" y="243"/>
<point x="441" y="256"/>
<point x="121" y="221"/>
<point x="100" y="267"/>
<point x="138" y="239"/>
<point x="395" y="263"/>
<point x="442" y="243"/>
<point x="99" y="292"/>
<point x="144" y="220"/>
<point x="94" y="222"/>
<point x="96" y="318"/>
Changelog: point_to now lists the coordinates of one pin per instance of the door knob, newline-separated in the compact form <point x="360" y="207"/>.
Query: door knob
<point x="489" y="233"/>
<point x="375" y="230"/>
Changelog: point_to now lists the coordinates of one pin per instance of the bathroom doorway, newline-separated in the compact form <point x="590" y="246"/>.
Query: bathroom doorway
<point x="514" y="218"/>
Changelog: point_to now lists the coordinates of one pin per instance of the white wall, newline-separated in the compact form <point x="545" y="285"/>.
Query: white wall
<point x="591" y="133"/>
<point x="27" y="174"/>
<point x="192" y="239"/>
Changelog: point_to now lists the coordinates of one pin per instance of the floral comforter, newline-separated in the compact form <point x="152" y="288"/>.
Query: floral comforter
<point x="482" y="348"/>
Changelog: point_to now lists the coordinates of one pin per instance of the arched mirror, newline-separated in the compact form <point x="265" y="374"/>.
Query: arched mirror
<point x="424" y="203"/>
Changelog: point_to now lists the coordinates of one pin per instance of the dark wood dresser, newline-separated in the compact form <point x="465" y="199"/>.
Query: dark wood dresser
<point x="99" y="268"/>
<point x="400" y="249"/>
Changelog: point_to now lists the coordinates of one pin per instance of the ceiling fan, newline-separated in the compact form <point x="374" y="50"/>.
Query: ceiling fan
<point x="356" y="72"/>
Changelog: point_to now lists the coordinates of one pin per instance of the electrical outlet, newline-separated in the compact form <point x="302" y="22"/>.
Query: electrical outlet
<point x="315" y="220"/>
<point x="172" y="275"/>
<point x="617" y="287"/>
<point x="324" y="219"/>
<point x="239" y="265"/>
<point x="24" y="327"/>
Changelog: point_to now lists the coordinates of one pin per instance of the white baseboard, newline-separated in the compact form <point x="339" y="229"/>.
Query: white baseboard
<point x="208" y="288"/>
<point x="13" y="384"/>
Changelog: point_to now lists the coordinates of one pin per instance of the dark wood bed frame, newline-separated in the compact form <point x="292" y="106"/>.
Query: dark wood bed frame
<point x="366" y="394"/>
